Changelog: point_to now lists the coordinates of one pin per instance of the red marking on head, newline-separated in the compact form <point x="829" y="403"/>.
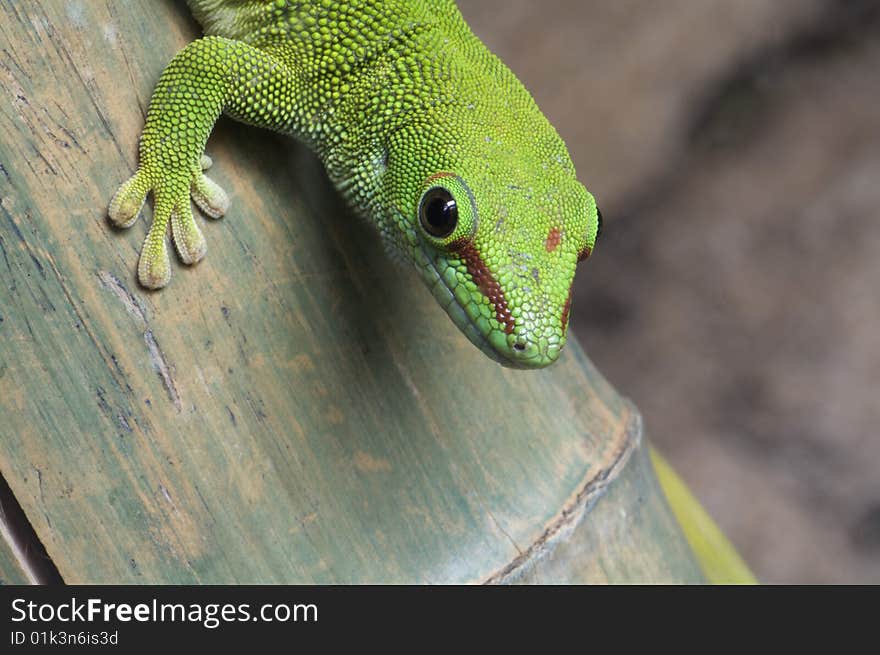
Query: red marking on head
<point x="583" y="254"/>
<point x="485" y="281"/>
<point x="437" y="176"/>
<point x="554" y="238"/>
<point x="566" y="308"/>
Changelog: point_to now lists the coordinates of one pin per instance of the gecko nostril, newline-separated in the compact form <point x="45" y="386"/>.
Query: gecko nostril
<point x="519" y="346"/>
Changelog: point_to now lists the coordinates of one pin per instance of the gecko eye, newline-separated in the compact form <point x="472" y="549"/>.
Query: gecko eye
<point x="438" y="212"/>
<point x="599" y="228"/>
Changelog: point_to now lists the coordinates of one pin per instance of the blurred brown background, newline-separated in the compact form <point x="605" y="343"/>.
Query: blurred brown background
<point x="734" y="147"/>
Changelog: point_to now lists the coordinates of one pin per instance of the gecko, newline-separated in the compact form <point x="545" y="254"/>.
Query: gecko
<point x="425" y="132"/>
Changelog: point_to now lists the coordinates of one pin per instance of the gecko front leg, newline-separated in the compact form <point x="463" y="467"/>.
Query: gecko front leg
<point x="208" y="77"/>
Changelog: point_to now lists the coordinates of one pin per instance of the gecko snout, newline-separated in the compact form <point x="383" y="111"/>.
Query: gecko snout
<point x="530" y="350"/>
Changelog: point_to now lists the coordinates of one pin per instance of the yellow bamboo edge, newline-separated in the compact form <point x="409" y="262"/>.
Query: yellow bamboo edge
<point x="718" y="559"/>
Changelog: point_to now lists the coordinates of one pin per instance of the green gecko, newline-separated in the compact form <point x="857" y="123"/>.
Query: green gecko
<point x="425" y="132"/>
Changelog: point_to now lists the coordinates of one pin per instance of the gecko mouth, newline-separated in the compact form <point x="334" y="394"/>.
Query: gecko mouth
<point x="510" y="347"/>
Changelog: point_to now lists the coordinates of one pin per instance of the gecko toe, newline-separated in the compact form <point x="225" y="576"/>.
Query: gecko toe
<point x="209" y="196"/>
<point x="128" y="200"/>
<point x="154" y="266"/>
<point x="187" y="237"/>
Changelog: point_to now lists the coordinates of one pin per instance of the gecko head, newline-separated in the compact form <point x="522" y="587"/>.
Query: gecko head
<point x="499" y="248"/>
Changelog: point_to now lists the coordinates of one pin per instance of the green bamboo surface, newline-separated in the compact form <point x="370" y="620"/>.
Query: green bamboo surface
<point x="293" y="409"/>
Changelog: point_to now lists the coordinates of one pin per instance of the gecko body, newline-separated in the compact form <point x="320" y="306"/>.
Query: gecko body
<point x="425" y="132"/>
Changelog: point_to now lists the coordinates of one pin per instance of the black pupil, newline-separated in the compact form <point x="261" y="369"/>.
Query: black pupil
<point x="439" y="213"/>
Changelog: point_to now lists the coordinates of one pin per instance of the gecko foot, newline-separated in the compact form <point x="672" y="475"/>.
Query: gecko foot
<point x="172" y="195"/>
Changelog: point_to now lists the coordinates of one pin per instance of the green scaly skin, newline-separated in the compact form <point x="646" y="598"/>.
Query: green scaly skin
<point x="397" y="97"/>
